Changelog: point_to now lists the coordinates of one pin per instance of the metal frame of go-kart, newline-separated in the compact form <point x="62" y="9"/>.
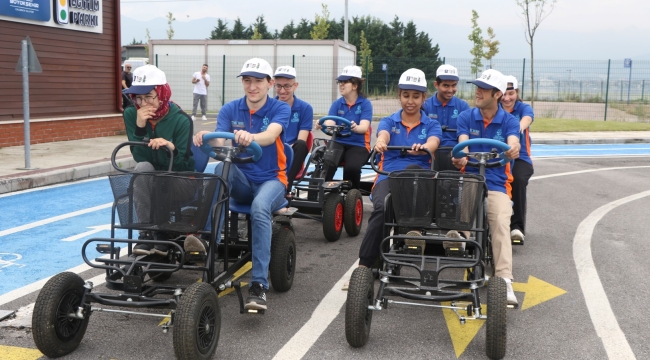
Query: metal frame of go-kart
<point x="428" y="285"/>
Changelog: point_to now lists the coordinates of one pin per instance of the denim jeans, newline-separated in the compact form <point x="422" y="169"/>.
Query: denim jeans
<point x="264" y="199"/>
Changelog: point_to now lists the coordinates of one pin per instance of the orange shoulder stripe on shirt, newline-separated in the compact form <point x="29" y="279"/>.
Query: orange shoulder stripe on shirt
<point x="509" y="179"/>
<point x="282" y="161"/>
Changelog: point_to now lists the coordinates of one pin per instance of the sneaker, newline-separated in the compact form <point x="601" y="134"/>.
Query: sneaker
<point x="454" y="245"/>
<point x="193" y="244"/>
<point x="143" y="249"/>
<point x="256" y="299"/>
<point x="510" y="294"/>
<point x="203" y="118"/>
<point x="516" y="234"/>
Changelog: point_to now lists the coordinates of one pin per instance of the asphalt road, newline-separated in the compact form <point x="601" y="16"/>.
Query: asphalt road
<point x="573" y="216"/>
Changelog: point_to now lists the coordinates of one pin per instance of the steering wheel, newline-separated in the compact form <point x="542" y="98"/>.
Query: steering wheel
<point x="403" y="151"/>
<point x="223" y="152"/>
<point x="457" y="152"/>
<point x="117" y="167"/>
<point x="346" y="124"/>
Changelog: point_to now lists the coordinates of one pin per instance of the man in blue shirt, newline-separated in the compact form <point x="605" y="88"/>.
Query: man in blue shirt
<point x="489" y="121"/>
<point x="300" y="122"/>
<point x="262" y="184"/>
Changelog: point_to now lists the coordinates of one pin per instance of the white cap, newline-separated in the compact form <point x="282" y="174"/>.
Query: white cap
<point x="350" y="72"/>
<point x="513" y="80"/>
<point x="447" y="72"/>
<point x="145" y="79"/>
<point x="285" y="72"/>
<point x="491" y="79"/>
<point x="256" y="67"/>
<point x="413" y="79"/>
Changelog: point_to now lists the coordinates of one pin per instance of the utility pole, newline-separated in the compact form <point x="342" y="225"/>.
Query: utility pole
<point x="345" y="25"/>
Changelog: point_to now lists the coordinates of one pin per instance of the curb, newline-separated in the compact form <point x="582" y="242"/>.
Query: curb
<point x="72" y="173"/>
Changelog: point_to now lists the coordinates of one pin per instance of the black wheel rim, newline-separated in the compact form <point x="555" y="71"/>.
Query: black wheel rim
<point x="207" y="327"/>
<point x="66" y="326"/>
<point x="290" y="257"/>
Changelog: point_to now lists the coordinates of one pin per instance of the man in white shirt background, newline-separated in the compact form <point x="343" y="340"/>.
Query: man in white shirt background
<point x="201" y="81"/>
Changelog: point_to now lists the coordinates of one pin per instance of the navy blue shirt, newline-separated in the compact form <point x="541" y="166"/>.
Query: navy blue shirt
<point x="361" y="110"/>
<point x="446" y="116"/>
<point x="302" y="118"/>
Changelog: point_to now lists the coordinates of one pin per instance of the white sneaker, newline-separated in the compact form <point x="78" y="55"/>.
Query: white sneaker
<point x="453" y="234"/>
<point x="203" y="118"/>
<point x="516" y="234"/>
<point x="193" y="117"/>
<point x="510" y="294"/>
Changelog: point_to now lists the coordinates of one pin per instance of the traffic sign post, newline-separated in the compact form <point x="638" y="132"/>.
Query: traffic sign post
<point x="28" y="62"/>
<point x="384" y="68"/>
<point x="627" y="63"/>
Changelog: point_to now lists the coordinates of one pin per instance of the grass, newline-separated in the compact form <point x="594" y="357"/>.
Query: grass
<point x="571" y="125"/>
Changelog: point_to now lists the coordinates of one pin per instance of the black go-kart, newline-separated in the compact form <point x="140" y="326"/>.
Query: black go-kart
<point x="421" y="207"/>
<point x="176" y="204"/>
<point x="334" y="203"/>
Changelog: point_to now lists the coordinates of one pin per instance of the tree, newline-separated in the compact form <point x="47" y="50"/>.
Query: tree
<point x="288" y="31"/>
<point x="135" y="42"/>
<point x="531" y="23"/>
<point x="221" y="31"/>
<point x="170" y="31"/>
<point x="477" y="50"/>
<point x="148" y="36"/>
<point x="303" y="29"/>
<point x="239" y="30"/>
<point x="260" y="26"/>
<point x="256" y="34"/>
<point x="365" y="52"/>
<point x="491" y="46"/>
<point x="322" y="25"/>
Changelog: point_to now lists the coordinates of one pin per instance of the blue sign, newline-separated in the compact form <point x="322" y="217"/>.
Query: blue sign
<point x="384" y="67"/>
<point x="39" y="10"/>
<point x="627" y="63"/>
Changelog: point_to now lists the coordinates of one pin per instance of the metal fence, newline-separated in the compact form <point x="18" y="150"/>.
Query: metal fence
<point x="586" y="90"/>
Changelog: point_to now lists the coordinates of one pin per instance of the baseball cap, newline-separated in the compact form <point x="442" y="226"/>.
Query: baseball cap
<point x="447" y="72"/>
<point x="350" y="72"/>
<point x="413" y="79"/>
<point x="145" y="79"/>
<point x="513" y="80"/>
<point x="491" y="79"/>
<point x="285" y="72"/>
<point x="256" y="67"/>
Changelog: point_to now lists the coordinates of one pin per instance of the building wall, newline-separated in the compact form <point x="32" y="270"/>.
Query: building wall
<point x="80" y="76"/>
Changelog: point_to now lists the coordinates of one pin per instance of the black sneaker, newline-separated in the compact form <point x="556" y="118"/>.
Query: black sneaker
<point x="256" y="297"/>
<point x="160" y="249"/>
<point x="143" y="249"/>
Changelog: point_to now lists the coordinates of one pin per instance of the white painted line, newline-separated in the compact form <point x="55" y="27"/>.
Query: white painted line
<point x="563" y="157"/>
<point x="95" y="229"/>
<point x="50" y="186"/>
<point x="53" y="219"/>
<point x="587" y="171"/>
<point x="328" y="309"/>
<point x="600" y="310"/>
<point x="592" y="149"/>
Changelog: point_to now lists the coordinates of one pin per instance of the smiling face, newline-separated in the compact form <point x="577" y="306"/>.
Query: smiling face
<point x="284" y="88"/>
<point x="256" y="89"/>
<point x="148" y="100"/>
<point x="446" y="89"/>
<point x="411" y="101"/>
<point x="485" y="99"/>
<point x="346" y="87"/>
<point x="509" y="98"/>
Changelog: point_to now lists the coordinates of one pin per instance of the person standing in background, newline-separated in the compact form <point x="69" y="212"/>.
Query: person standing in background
<point x="127" y="80"/>
<point x="201" y="81"/>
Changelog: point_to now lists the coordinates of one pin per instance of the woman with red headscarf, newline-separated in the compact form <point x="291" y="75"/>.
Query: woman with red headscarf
<point x="156" y="118"/>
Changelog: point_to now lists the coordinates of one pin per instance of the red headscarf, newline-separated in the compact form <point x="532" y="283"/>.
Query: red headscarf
<point x="164" y="93"/>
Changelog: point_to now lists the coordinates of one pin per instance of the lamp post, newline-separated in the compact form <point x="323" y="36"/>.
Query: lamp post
<point x="569" y="81"/>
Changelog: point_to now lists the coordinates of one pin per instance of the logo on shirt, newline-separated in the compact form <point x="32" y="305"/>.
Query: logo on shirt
<point x="423" y="134"/>
<point x="455" y="115"/>
<point x="433" y="116"/>
<point x="295" y="117"/>
<point x="237" y="124"/>
<point x="394" y="130"/>
<point x="475" y="132"/>
<point x="498" y="136"/>
<point x="265" y="123"/>
<point x="341" y="112"/>
<point x="358" y="110"/>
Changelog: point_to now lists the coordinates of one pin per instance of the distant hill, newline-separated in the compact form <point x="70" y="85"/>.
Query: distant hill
<point x="194" y="29"/>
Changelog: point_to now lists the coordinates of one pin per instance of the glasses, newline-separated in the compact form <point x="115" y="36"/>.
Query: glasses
<point x="342" y="82"/>
<point x="285" y="87"/>
<point x="128" y="67"/>
<point x="145" y="99"/>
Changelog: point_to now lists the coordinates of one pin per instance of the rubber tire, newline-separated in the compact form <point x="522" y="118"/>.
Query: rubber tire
<point x="357" y="316"/>
<point x="350" y="212"/>
<point x="282" y="267"/>
<point x="197" y="298"/>
<point x="496" y="326"/>
<point x="44" y="318"/>
<point x="332" y="201"/>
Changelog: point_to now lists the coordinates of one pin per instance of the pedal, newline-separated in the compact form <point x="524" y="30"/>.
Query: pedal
<point x="286" y="211"/>
<point x="457" y="252"/>
<point x="414" y="246"/>
<point x="517" y="242"/>
<point x="195" y="256"/>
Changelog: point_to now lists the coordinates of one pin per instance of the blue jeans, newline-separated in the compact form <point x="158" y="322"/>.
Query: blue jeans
<point x="264" y="198"/>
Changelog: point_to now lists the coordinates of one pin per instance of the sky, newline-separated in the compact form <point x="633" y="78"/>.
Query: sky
<point x="575" y="30"/>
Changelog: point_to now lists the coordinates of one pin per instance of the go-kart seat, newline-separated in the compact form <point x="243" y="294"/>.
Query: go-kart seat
<point x="310" y="143"/>
<point x="246" y="208"/>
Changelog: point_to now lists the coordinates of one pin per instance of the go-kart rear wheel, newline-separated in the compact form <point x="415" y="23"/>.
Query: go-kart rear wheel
<point x="332" y="216"/>
<point x="197" y="323"/>
<point x="353" y="212"/>
<point x="358" y="317"/>
<point x="283" y="259"/>
<point x="496" y="327"/>
<point x="55" y="332"/>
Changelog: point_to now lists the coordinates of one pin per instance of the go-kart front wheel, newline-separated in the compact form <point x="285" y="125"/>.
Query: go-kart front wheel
<point x="353" y="212"/>
<point x="496" y="330"/>
<point x="358" y="317"/>
<point x="55" y="332"/>
<point x="333" y="216"/>
<point x="197" y="323"/>
<point x="283" y="259"/>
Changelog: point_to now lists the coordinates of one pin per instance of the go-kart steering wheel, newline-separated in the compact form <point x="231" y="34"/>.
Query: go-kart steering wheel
<point x="457" y="152"/>
<point x="223" y="152"/>
<point x="346" y="126"/>
<point x="403" y="152"/>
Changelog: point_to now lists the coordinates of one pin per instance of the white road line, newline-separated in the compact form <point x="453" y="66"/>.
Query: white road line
<point x="328" y="309"/>
<point x="600" y="310"/>
<point x="592" y="149"/>
<point x="564" y="157"/>
<point x="53" y="219"/>
<point x="586" y="171"/>
<point x="50" y="187"/>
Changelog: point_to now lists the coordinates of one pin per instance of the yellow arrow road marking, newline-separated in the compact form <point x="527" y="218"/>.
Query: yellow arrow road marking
<point x="537" y="291"/>
<point x="239" y="273"/>
<point x="461" y="335"/>
<point x="18" y="353"/>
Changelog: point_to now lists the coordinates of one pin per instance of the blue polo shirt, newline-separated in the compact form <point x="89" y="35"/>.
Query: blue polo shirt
<point x="302" y="118"/>
<point x="236" y="115"/>
<point x="500" y="128"/>
<point x="401" y="135"/>
<point x="361" y="110"/>
<point x="446" y="115"/>
<point x="520" y="110"/>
